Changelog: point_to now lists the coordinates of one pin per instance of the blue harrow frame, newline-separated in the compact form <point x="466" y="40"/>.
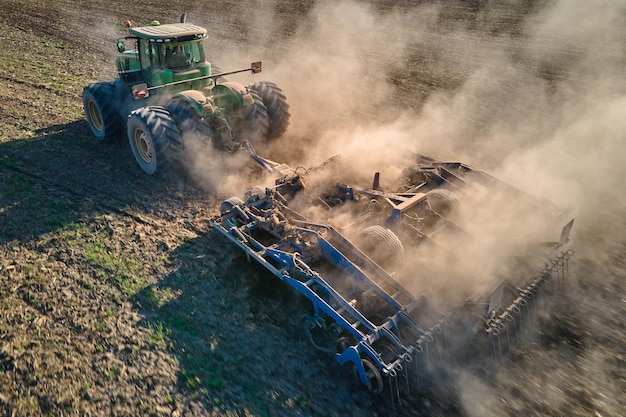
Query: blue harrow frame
<point x="360" y="312"/>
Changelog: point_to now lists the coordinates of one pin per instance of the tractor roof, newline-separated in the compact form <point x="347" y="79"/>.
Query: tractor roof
<point x="169" y="31"/>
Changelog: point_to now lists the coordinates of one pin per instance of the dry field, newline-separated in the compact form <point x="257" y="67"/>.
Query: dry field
<point x="116" y="298"/>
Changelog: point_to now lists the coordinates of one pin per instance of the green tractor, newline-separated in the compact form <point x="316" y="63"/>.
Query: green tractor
<point x="167" y="90"/>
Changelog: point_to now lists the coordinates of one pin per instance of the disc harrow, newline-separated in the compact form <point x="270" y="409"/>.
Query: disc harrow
<point x="363" y="309"/>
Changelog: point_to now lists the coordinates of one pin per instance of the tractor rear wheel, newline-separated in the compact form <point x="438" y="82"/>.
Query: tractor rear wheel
<point x="276" y="104"/>
<point x="256" y="121"/>
<point x="99" y="106"/>
<point x="155" y="140"/>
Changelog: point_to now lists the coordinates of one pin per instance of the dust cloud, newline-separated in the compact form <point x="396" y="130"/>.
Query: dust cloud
<point x="539" y="103"/>
<point x="519" y="110"/>
<point x="541" y="106"/>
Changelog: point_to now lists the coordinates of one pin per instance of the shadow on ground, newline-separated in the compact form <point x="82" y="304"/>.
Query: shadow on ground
<point x="237" y="333"/>
<point x="62" y="175"/>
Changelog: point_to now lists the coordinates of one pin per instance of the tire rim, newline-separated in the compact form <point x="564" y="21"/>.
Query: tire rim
<point x="94" y="114"/>
<point x="374" y="379"/>
<point x="143" y="145"/>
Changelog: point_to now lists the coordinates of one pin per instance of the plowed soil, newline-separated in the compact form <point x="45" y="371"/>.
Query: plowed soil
<point x="117" y="298"/>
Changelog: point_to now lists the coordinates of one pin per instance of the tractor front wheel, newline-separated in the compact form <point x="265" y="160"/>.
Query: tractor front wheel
<point x="189" y="124"/>
<point x="155" y="140"/>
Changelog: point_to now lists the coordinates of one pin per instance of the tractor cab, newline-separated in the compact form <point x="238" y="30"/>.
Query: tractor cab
<point x="164" y="54"/>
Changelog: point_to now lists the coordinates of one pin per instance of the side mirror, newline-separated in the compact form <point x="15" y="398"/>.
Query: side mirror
<point x="255" y="67"/>
<point x="121" y="47"/>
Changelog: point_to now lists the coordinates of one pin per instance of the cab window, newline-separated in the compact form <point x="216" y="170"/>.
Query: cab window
<point x="180" y="56"/>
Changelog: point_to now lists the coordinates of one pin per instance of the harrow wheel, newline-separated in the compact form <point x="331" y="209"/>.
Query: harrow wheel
<point x="374" y="379"/>
<point x="231" y="212"/>
<point x="442" y="202"/>
<point x="229" y="204"/>
<point x="381" y="244"/>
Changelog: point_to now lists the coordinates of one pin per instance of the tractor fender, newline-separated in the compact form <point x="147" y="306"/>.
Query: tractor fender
<point x="230" y="94"/>
<point x="197" y="101"/>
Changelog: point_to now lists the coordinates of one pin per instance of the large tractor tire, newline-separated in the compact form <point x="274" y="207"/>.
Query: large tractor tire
<point x="99" y="105"/>
<point x="256" y="121"/>
<point x="155" y="140"/>
<point x="191" y="125"/>
<point x="186" y="119"/>
<point x="276" y="105"/>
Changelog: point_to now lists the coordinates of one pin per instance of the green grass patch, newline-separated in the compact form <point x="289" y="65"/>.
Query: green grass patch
<point x="100" y="326"/>
<point x="7" y="162"/>
<point x="56" y="45"/>
<point x="114" y="266"/>
<point x="55" y="214"/>
<point x="182" y="323"/>
<point x="18" y="186"/>
<point x="98" y="253"/>
<point x="156" y="298"/>
<point x="32" y="210"/>
<point x="158" y="334"/>
<point x="110" y="263"/>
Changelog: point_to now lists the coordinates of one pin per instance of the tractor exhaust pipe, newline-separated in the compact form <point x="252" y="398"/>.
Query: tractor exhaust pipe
<point x="183" y="18"/>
